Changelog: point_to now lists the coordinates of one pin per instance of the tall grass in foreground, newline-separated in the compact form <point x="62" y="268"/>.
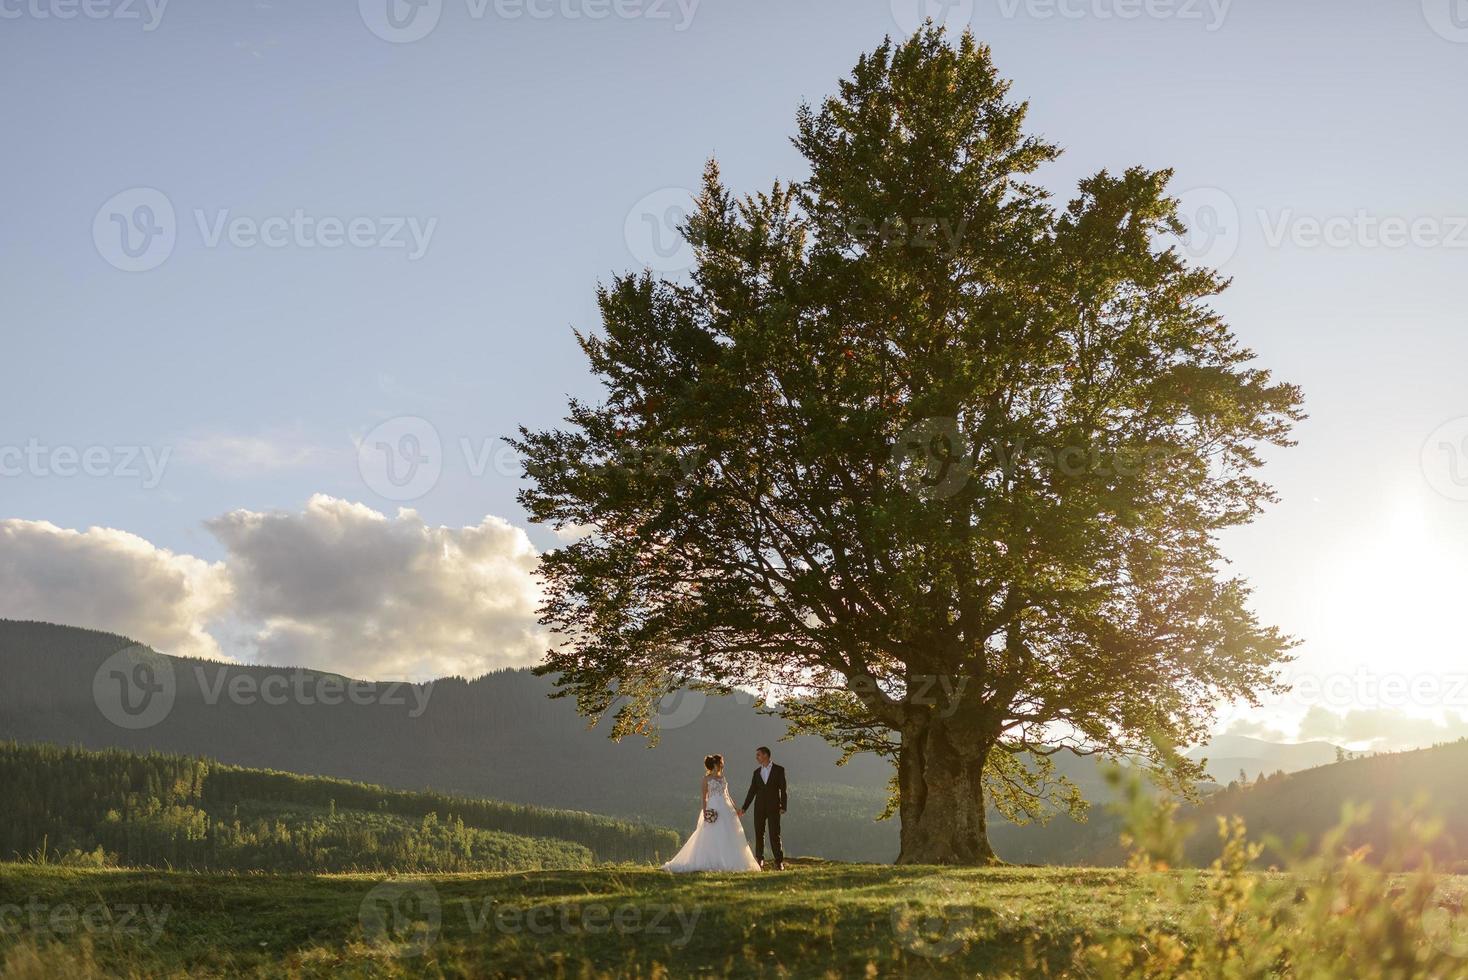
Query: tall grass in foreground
<point x="1341" y="912"/>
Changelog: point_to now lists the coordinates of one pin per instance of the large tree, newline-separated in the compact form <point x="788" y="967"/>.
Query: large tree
<point x="937" y="465"/>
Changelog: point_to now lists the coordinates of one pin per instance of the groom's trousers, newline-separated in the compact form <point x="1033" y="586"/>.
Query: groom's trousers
<point x="767" y="816"/>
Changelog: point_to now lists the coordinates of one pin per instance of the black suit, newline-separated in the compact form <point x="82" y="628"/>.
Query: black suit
<point x="769" y="802"/>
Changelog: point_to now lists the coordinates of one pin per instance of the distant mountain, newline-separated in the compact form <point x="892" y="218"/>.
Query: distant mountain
<point x="501" y="737"/>
<point x="1304" y="805"/>
<point x="1229" y="755"/>
<point x="1291" y="812"/>
<point x="498" y="736"/>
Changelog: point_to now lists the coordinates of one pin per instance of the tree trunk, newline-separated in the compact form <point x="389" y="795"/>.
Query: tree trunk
<point x="942" y="799"/>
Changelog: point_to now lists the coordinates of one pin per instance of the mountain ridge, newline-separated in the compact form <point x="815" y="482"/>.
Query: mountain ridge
<point x="500" y="736"/>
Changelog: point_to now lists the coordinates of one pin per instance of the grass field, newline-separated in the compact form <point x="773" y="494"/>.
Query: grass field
<point x="813" y="919"/>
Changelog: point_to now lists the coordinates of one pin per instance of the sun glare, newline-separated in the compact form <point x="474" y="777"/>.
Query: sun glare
<point x="1384" y="606"/>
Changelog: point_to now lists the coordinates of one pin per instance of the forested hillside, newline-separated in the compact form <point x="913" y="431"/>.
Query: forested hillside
<point x="1288" y="808"/>
<point x="500" y="736"/>
<point x="156" y="810"/>
<point x="496" y="736"/>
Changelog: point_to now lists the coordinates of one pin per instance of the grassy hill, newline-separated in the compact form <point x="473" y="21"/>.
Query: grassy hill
<point x="1287" y="809"/>
<point x="155" y="810"/>
<point x="817" y="920"/>
<point x="1290" y="813"/>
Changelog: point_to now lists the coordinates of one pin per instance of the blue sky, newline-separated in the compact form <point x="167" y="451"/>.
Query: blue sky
<point x="517" y="145"/>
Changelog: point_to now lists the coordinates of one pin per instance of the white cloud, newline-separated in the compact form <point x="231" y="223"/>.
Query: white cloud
<point x="344" y="587"/>
<point x="574" y="532"/>
<point x="1255" y="728"/>
<point x="234" y="456"/>
<point x="1381" y="729"/>
<point x="336" y="586"/>
<point x="110" y="580"/>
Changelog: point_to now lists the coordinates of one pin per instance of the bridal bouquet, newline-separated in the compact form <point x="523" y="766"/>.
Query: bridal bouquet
<point x="709" y="816"/>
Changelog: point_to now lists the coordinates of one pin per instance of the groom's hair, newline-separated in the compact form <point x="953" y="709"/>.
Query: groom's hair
<point x="766" y="750"/>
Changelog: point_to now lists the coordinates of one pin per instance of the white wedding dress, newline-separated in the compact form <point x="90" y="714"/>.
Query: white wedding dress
<point x="717" y="846"/>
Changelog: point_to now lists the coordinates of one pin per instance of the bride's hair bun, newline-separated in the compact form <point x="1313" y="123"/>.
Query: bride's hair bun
<point x="712" y="762"/>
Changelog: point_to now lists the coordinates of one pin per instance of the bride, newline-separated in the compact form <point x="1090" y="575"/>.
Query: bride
<point x="718" y="842"/>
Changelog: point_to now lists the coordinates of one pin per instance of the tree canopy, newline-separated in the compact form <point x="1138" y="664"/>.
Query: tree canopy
<point x="936" y="463"/>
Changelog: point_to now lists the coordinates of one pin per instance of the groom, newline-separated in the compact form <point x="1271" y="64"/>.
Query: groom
<point x="767" y="790"/>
